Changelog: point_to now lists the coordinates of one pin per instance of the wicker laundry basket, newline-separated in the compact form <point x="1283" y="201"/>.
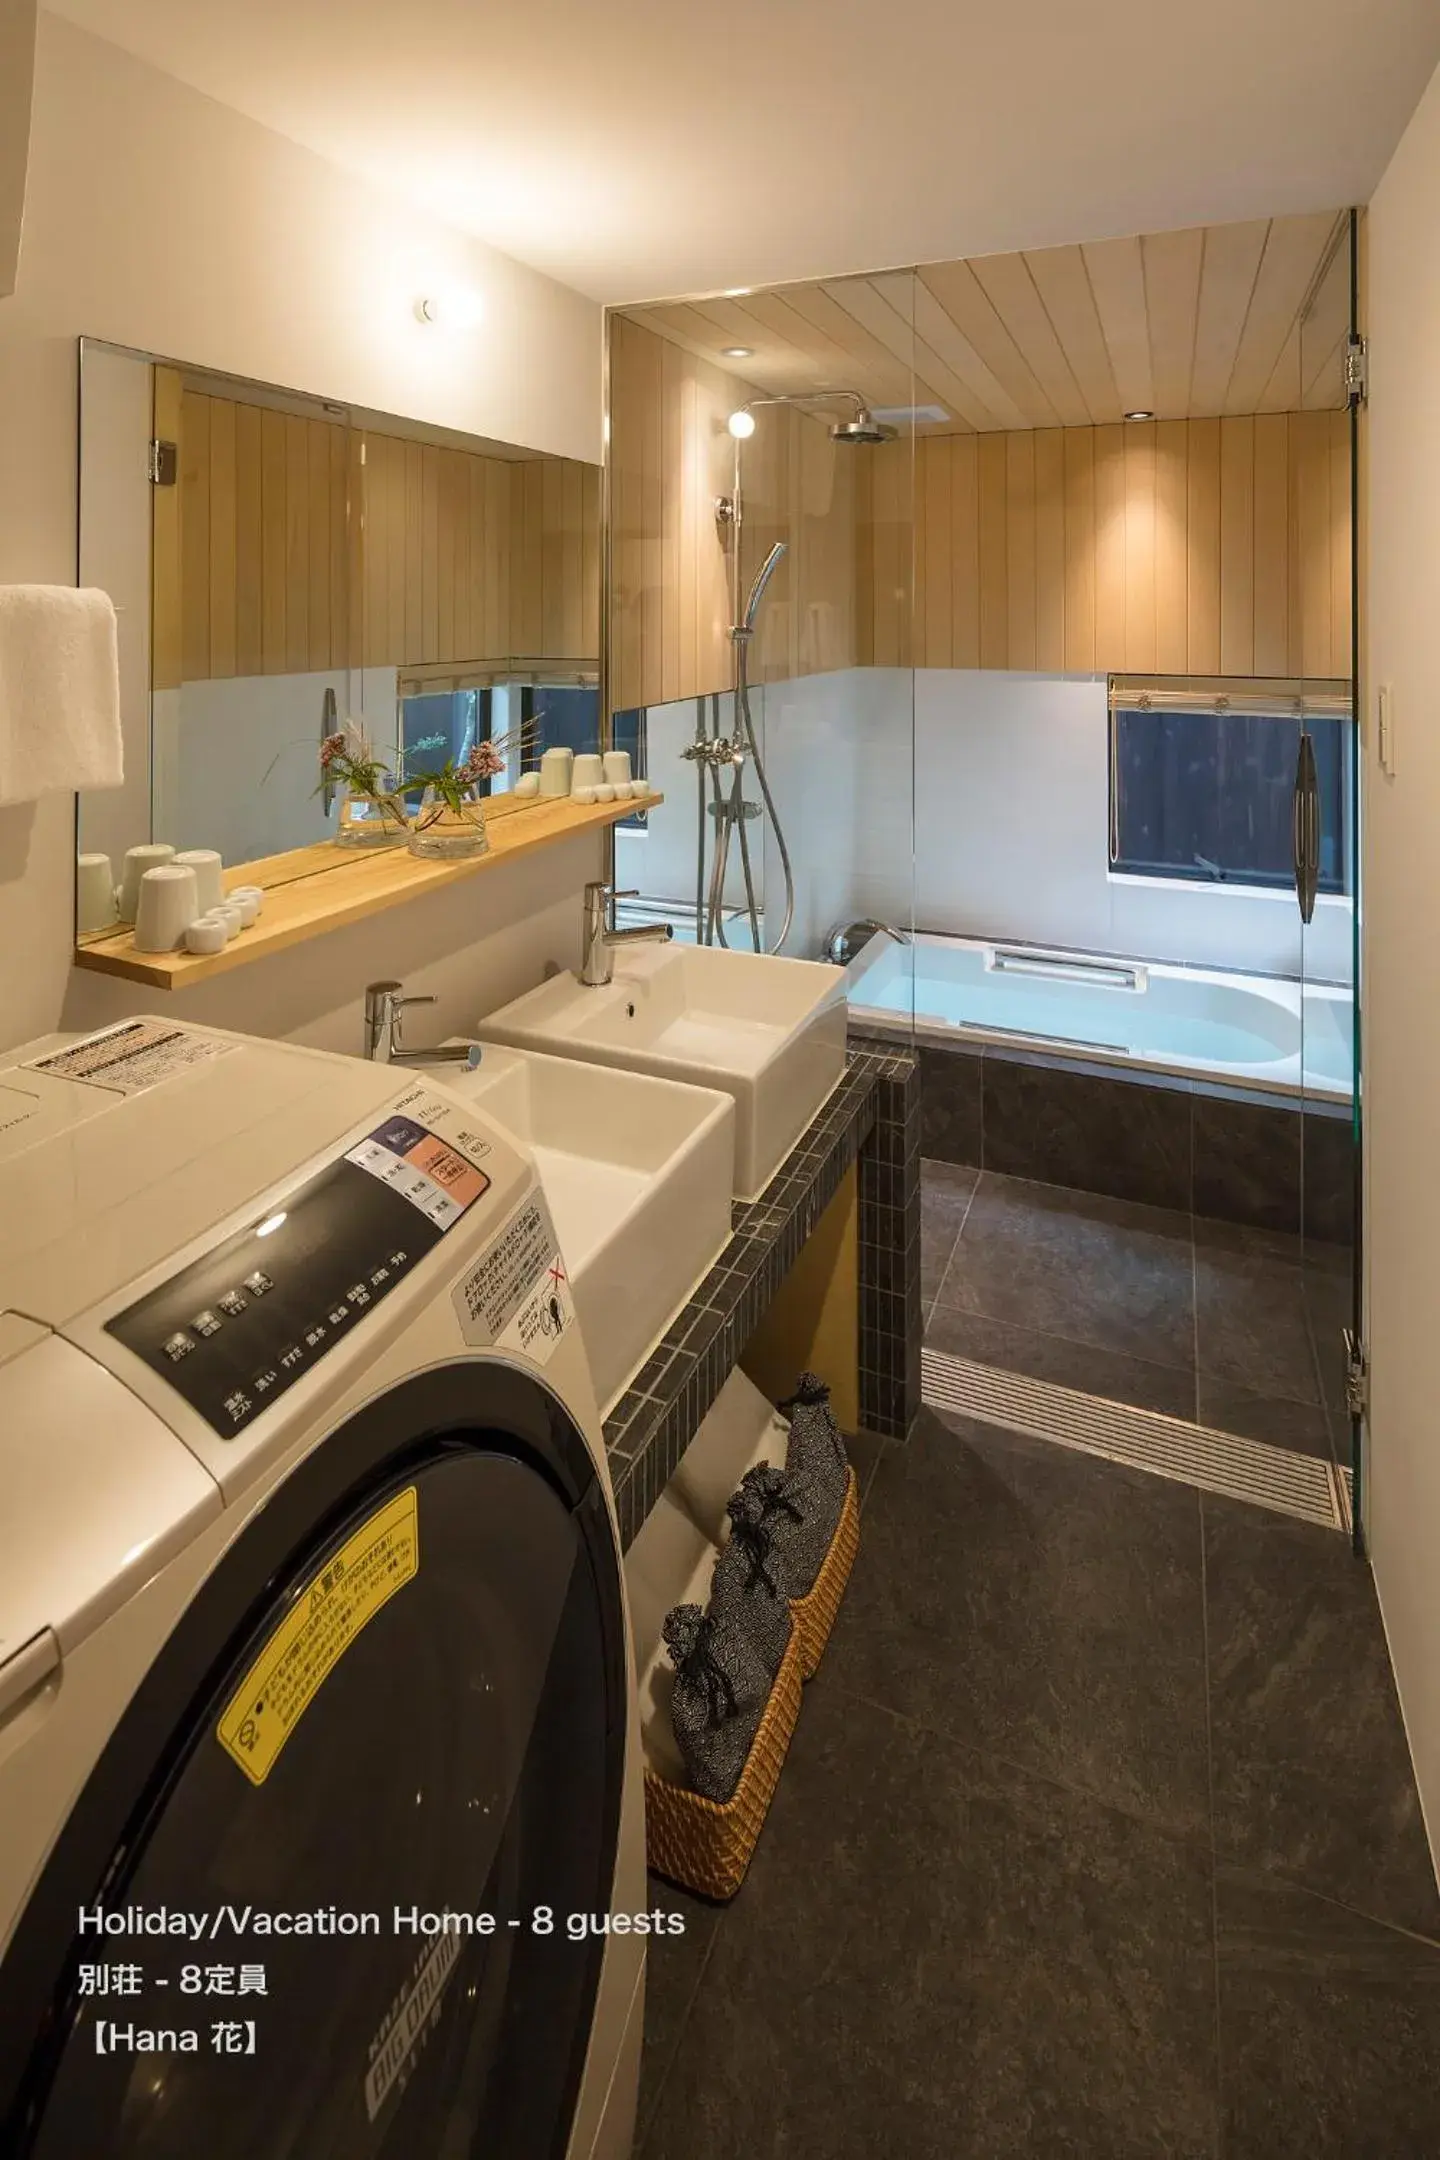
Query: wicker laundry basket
<point x="814" y="1614"/>
<point x="705" y="1845"/>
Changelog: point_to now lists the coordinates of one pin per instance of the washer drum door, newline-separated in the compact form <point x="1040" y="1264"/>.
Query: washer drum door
<point x="401" y="1693"/>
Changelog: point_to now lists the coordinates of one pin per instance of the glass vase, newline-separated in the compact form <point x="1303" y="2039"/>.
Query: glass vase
<point x="367" y="821"/>
<point x="442" y="832"/>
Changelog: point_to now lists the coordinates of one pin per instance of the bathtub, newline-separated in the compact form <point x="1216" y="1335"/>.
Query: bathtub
<point x="1243" y="1029"/>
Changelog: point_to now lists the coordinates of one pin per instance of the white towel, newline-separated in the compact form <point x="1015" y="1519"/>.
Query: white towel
<point x="59" y="691"/>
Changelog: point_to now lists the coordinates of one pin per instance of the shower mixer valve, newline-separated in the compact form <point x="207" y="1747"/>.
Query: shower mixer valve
<point x="714" y="750"/>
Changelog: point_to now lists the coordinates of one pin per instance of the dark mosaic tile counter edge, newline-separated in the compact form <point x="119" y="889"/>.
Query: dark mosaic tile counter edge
<point x="873" y="1118"/>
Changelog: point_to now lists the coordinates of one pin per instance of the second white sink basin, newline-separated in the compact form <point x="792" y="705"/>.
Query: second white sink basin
<point x="637" y="1172"/>
<point x="769" y="1032"/>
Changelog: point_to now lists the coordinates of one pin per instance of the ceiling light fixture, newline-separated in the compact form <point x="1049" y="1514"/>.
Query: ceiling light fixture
<point x="1139" y="414"/>
<point x="736" y="352"/>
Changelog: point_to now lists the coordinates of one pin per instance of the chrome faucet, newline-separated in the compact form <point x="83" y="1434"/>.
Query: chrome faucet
<point x="384" y="1006"/>
<point x="598" y="964"/>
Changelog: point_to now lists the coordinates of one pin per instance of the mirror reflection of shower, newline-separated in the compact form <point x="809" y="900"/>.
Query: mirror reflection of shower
<point x="714" y="754"/>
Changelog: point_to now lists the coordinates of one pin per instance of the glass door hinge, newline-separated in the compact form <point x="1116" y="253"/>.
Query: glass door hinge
<point x="1357" y="371"/>
<point x="1357" y="1376"/>
<point x="163" y="465"/>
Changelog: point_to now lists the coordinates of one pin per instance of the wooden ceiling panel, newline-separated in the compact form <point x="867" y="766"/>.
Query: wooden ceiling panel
<point x="987" y="404"/>
<point x="1227" y="280"/>
<point x="1295" y="247"/>
<point x="1172" y="263"/>
<point x="1117" y="278"/>
<point x="1063" y="284"/>
<point x="964" y="299"/>
<point x="1219" y="319"/>
<point x="1012" y="292"/>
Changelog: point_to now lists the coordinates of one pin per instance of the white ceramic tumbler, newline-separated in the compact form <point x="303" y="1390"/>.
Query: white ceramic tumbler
<point x="205" y="862"/>
<point x="527" y="784"/>
<point x="617" y="768"/>
<point x="137" y="861"/>
<point x="555" y="771"/>
<point x="166" y="907"/>
<point x="589" y="770"/>
<point x="94" y="894"/>
<point x="607" y="791"/>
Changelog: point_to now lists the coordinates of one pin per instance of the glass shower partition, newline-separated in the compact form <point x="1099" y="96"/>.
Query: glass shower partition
<point x="760" y="595"/>
<point x="1327" y="812"/>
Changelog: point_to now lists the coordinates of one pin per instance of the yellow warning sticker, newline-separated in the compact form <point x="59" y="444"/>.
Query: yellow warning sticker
<point x="327" y="1616"/>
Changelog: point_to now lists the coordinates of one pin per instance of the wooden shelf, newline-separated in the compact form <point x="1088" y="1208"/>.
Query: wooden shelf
<point x="311" y="890"/>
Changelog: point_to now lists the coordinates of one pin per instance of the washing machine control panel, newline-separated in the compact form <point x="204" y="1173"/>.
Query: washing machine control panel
<point x="239" y="1326"/>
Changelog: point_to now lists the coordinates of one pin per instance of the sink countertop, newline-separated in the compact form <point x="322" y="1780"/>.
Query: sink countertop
<point x="873" y="1116"/>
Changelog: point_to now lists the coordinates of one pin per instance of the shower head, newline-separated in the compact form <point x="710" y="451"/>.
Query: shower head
<point x="864" y="428"/>
<point x="861" y="427"/>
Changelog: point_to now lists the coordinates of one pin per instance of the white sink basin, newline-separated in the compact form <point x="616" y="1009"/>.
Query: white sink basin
<point x="637" y="1173"/>
<point x="769" y="1032"/>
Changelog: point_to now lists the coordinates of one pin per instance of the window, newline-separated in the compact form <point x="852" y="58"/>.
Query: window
<point x="1206" y="790"/>
<point x="440" y="720"/>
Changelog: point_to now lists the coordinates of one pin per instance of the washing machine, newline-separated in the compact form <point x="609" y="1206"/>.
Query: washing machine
<point x="321" y="1826"/>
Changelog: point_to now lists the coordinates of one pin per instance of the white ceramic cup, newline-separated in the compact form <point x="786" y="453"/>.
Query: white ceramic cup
<point x="228" y="912"/>
<point x="555" y="771"/>
<point x="243" y="893"/>
<point x="138" y="860"/>
<point x="527" y="784"/>
<point x="589" y="770"/>
<point x="166" y="907"/>
<point x="94" y="893"/>
<point x="585" y="795"/>
<point x="205" y="862"/>
<point x="617" y="768"/>
<point x="249" y="907"/>
<point x="607" y="791"/>
<point x="210" y="935"/>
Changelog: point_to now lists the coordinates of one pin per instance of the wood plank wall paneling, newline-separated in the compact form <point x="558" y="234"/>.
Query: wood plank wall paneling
<point x="670" y="457"/>
<point x="295" y="544"/>
<point x="1193" y="547"/>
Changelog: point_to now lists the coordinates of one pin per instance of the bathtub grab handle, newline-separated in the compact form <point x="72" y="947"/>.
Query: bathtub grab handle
<point x="1092" y="974"/>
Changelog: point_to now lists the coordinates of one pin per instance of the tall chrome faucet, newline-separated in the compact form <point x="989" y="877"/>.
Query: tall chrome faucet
<point x="597" y="967"/>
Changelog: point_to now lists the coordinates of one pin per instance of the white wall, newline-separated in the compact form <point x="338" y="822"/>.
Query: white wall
<point x="159" y="219"/>
<point x="17" y="60"/>
<point x="1011" y="839"/>
<point x="976" y="802"/>
<point x="1401" y="1001"/>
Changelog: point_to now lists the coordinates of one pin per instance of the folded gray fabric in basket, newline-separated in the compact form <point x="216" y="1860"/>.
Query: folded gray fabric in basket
<point x="720" y="1692"/>
<point x="792" y="1510"/>
<point x="817" y="1447"/>
<point x="745" y="1586"/>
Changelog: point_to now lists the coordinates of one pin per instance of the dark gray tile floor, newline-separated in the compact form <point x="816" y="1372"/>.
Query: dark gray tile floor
<point x="1239" y="1329"/>
<point x="1097" y="1838"/>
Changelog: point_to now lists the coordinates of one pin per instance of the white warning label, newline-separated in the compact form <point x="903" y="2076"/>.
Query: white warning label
<point x="136" y="1055"/>
<point x="518" y="1296"/>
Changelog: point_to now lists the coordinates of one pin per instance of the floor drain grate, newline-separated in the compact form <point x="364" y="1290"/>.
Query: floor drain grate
<point x="1219" y="1462"/>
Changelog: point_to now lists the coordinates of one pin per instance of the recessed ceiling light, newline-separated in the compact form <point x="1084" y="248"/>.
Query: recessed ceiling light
<point x="736" y="352"/>
<point x="1139" y="415"/>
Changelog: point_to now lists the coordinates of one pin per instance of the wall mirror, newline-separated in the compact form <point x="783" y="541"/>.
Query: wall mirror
<point x="283" y="566"/>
